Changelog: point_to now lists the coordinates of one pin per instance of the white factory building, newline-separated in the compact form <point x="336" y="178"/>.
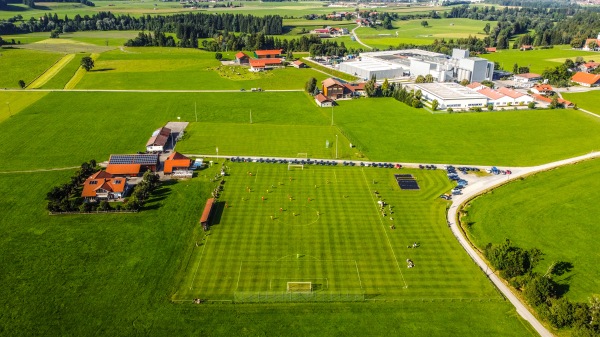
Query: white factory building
<point x="452" y="95"/>
<point x="393" y="64"/>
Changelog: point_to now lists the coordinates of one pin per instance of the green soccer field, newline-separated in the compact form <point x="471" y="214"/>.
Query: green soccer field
<point x="324" y="225"/>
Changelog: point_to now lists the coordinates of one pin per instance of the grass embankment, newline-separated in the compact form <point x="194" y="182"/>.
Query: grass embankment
<point x="554" y="211"/>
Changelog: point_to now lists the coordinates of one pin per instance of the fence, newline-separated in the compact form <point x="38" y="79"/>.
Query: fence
<point x="267" y="297"/>
<point x="91" y="212"/>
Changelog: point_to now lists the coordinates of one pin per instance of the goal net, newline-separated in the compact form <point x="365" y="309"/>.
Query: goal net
<point x="299" y="287"/>
<point x="295" y="166"/>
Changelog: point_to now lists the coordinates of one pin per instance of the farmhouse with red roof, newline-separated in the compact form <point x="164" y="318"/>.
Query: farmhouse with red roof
<point x="104" y="186"/>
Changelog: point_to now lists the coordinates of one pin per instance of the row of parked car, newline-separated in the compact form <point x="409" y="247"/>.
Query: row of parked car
<point x="311" y="162"/>
<point x="453" y="175"/>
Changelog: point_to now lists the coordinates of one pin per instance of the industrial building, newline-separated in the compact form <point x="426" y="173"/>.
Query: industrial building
<point x="394" y="64"/>
<point x="452" y="95"/>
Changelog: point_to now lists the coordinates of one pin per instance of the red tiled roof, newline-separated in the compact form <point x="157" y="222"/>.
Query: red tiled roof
<point x="128" y="169"/>
<point x="510" y="93"/>
<point x="331" y="81"/>
<point x="355" y="86"/>
<point x="298" y="62"/>
<point x="549" y="100"/>
<point x="586" y="78"/>
<point x="240" y="55"/>
<point x="102" y="180"/>
<point x="473" y="85"/>
<point x="491" y="49"/>
<point x="490" y="93"/>
<point x="587" y="41"/>
<point x="176" y="160"/>
<point x="264" y="62"/>
<point x="591" y="65"/>
<point x="321" y="98"/>
<point x="543" y="87"/>
<point x="528" y="75"/>
<point x="268" y="52"/>
<point x="207" y="208"/>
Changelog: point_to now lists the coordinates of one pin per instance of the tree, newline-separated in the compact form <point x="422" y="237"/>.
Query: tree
<point x="289" y="56"/>
<point x="310" y="85"/>
<point x="87" y="63"/>
<point x="531" y="105"/>
<point x="219" y="56"/>
<point x="539" y="289"/>
<point x="22" y="84"/>
<point x="55" y="34"/>
<point x="593" y="45"/>
<point x="424" y="23"/>
<point x="464" y="82"/>
<point x="488" y="84"/>
<point x="434" y="104"/>
<point x="429" y="78"/>
<point x="420" y="79"/>
<point x="486" y="29"/>
<point x="515" y="69"/>
<point x="418" y="94"/>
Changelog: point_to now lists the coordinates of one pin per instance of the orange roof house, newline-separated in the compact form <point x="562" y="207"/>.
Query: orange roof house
<point x="543" y="89"/>
<point x="323" y="101"/>
<point x="241" y="58"/>
<point x="490" y="49"/>
<point x="333" y="88"/>
<point x="103" y="185"/>
<point x="268" y="54"/>
<point x="262" y="64"/>
<point x="540" y="98"/>
<point x="298" y="64"/>
<point x="586" y="79"/>
<point x="176" y="161"/>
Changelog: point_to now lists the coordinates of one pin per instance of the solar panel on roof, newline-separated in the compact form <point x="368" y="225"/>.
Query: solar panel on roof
<point x="142" y="159"/>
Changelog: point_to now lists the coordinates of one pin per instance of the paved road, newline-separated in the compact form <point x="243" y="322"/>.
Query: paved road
<point x="145" y="90"/>
<point x="357" y="39"/>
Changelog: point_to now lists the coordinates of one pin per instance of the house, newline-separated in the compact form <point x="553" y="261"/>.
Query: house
<point x="264" y="64"/>
<point x="495" y="98"/>
<point x="517" y="97"/>
<point x="542" y="89"/>
<point x="241" y="58"/>
<point x="527" y="79"/>
<point x="268" y="54"/>
<point x="299" y="64"/>
<point x="356" y="89"/>
<point x="586" y="79"/>
<point x="333" y="88"/>
<point x="104" y="186"/>
<point x="323" y="101"/>
<point x="540" y="98"/>
<point x="490" y="49"/>
<point x="176" y="162"/>
<point x="131" y="164"/>
<point x="588" y="42"/>
<point x="476" y="86"/>
<point x="526" y="47"/>
<point x="589" y="66"/>
<point x="159" y="140"/>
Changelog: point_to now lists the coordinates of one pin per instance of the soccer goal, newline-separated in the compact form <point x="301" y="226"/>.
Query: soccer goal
<point x="299" y="287"/>
<point x="302" y="155"/>
<point x="295" y="166"/>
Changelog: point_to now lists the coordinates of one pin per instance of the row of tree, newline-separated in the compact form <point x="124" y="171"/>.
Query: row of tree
<point x="199" y="25"/>
<point x="67" y="197"/>
<point x="541" y="291"/>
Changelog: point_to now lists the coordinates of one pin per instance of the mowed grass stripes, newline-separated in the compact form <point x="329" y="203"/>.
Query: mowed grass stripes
<point x="323" y="225"/>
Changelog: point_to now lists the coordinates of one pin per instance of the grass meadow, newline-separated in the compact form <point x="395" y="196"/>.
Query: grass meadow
<point x="173" y="68"/>
<point x="16" y="101"/>
<point x="589" y="100"/>
<point x="411" y="31"/>
<point x="115" y="274"/>
<point x="26" y="65"/>
<point x="389" y="130"/>
<point x="555" y="211"/>
<point x="537" y="60"/>
<point x="60" y="79"/>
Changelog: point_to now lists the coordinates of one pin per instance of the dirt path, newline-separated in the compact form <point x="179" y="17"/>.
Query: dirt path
<point x="357" y="39"/>
<point x="41" y="170"/>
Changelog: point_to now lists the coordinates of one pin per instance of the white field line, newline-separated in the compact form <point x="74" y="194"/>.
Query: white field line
<point x="357" y="273"/>
<point x="237" y="285"/>
<point x="199" y="260"/>
<point x="256" y="175"/>
<point x="384" y="230"/>
<point x="335" y="175"/>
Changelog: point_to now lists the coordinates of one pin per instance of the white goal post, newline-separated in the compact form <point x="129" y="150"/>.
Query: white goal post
<point x="292" y="166"/>
<point x="299" y="287"/>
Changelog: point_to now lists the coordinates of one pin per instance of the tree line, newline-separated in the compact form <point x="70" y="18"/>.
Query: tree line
<point x="198" y="25"/>
<point x="541" y="291"/>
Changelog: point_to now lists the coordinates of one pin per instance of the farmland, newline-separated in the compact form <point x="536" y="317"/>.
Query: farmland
<point x="587" y="100"/>
<point x="26" y="65"/>
<point x="537" y="60"/>
<point x="554" y="211"/>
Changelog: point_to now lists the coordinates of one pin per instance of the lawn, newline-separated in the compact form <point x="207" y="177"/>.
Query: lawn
<point x="587" y="100"/>
<point x="174" y="68"/>
<point x="537" y="60"/>
<point x="389" y="130"/>
<point x="26" y="65"/>
<point x="114" y="274"/>
<point x="554" y="211"/>
<point x="411" y="31"/>
<point x="16" y="101"/>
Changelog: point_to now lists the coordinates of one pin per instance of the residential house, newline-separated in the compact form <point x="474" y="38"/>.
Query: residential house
<point x="264" y="64"/>
<point x="586" y="79"/>
<point x="333" y="88"/>
<point x="542" y="89"/>
<point x="586" y="45"/>
<point x="104" y="186"/>
<point x="242" y="59"/>
<point x="589" y="66"/>
<point x="540" y="98"/>
<point x="268" y="54"/>
<point x="175" y="162"/>
<point x="159" y="140"/>
<point x="299" y="64"/>
<point x="323" y="101"/>
<point x="517" y="97"/>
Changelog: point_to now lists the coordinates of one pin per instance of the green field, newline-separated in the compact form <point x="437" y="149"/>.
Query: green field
<point x="26" y="65"/>
<point x="587" y="100"/>
<point x="16" y="101"/>
<point x="389" y="130"/>
<point x="536" y="60"/>
<point x="554" y="211"/>
<point x="411" y="31"/>
<point x="175" y="68"/>
<point x="59" y="80"/>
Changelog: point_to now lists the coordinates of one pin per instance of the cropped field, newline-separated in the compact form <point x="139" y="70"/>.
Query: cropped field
<point x="411" y="31"/>
<point x="389" y="130"/>
<point x="114" y="275"/>
<point x="536" y="60"/>
<point x="26" y="65"/>
<point x="16" y="101"/>
<point x="174" y="68"/>
<point x="589" y="101"/>
<point x="554" y="211"/>
<point x="323" y="225"/>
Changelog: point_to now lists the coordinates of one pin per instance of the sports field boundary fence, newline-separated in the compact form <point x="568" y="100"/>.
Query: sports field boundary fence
<point x="271" y="297"/>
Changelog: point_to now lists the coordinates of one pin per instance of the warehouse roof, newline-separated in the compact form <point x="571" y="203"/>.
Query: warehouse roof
<point x="448" y="91"/>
